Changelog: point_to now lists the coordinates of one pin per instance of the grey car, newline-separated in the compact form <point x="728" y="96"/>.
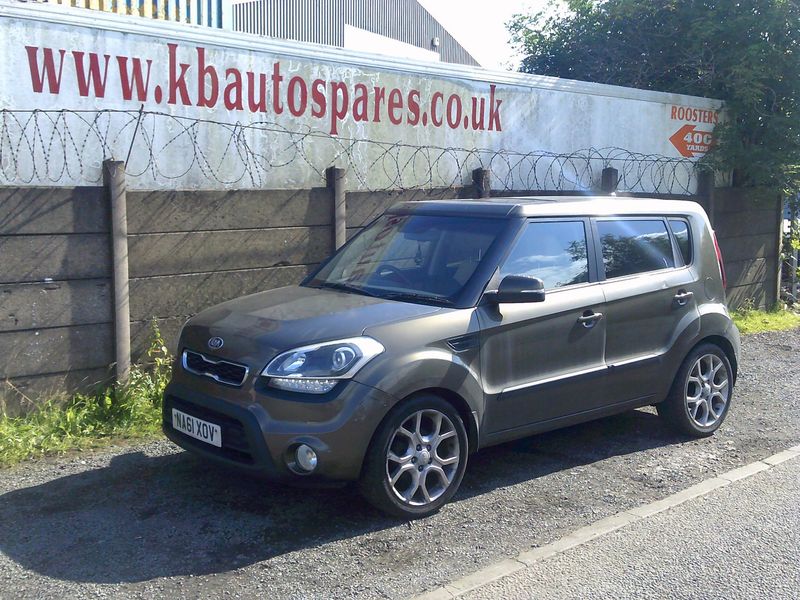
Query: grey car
<point x="446" y="327"/>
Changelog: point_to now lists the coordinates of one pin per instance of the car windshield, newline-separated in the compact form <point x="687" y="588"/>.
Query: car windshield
<point x="415" y="258"/>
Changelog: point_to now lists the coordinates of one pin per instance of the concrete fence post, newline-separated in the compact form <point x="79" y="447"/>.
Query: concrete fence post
<point x="794" y="254"/>
<point x="336" y="179"/>
<point x="609" y="180"/>
<point x="705" y="189"/>
<point x="778" y="248"/>
<point x="482" y="180"/>
<point x="114" y="179"/>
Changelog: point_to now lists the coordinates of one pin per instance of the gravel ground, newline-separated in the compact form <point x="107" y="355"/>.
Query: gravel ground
<point x="151" y="520"/>
<point x="740" y="541"/>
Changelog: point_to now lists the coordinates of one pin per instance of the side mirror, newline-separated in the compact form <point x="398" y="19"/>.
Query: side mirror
<point x="518" y="288"/>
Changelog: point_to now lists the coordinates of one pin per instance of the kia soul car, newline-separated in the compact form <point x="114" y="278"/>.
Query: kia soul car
<point x="446" y="327"/>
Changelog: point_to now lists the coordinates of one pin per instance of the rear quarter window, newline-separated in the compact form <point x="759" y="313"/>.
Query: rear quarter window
<point x="680" y="229"/>
<point x="633" y="246"/>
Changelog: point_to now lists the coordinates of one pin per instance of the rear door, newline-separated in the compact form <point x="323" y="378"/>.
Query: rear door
<point x="650" y="293"/>
<point x="543" y="360"/>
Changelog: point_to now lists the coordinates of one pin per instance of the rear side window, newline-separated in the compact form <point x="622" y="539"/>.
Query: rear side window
<point x="680" y="229"/>
<point x="634" y="246"/>
<point x="554" y="252"/>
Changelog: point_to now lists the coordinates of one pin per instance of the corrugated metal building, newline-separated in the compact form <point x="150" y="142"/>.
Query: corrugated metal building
<point x="353" y="24"/>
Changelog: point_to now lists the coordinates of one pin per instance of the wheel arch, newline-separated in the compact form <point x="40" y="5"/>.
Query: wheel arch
<point x="461" y="406"/>
<point x="725" y="345"/>
<point x="688" y="344"/>
<point x="453" y="398"/>
<point x="451" y="377"/>
<point x="674" y="408"/>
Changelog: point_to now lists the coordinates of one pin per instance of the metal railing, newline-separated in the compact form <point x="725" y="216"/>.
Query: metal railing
<point x="210" y="13"/>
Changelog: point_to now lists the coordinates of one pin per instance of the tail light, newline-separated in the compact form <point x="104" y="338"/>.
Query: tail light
<point x="719" y="260"/>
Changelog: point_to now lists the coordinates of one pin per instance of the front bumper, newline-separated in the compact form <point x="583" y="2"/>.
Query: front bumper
<point x="259" y="433"/>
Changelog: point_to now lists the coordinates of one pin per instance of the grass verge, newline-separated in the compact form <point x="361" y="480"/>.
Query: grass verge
<point x="756" y="321"/>
<point x="132" y="410"/>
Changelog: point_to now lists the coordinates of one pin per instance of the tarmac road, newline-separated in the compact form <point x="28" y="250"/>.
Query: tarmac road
<point x="149" y="520"/>
<point x="740" y="541"/>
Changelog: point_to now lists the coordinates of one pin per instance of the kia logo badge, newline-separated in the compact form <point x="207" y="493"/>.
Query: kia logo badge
<point x="215" y="343"/>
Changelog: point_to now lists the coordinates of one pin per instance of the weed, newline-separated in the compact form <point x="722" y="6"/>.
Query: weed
<point x="130" y="410"/>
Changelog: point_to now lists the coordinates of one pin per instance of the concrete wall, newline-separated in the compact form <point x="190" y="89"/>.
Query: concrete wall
<point x="191" y="250"/>
<point x="187" y="251"/>
<point x="55" y="292"/>
<point x="748" y="224"/>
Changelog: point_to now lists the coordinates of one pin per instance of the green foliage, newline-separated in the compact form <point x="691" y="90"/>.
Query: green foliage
<point x="791" y="238"/>
<point x="132" y="410"/>
<point x="749" y="320"/>
<point x="791" y="241"/>
<point x="746" y="53"/>
<point x="790" y="244"/>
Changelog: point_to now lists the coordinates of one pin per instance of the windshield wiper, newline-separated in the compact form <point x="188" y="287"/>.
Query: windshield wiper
<point x="424" y="298"/>
<point x="411" y="296"/>
<point x="347" y="287"/>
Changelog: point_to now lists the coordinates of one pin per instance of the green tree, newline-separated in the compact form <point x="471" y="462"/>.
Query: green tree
<point x="744" y="52"/>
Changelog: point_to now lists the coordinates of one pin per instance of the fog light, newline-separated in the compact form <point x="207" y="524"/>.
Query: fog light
<point x="306" y="458"/>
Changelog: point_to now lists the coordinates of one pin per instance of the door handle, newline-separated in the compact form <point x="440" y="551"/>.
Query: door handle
<point x="589" y="319"/>
<point x="682" y="297"/>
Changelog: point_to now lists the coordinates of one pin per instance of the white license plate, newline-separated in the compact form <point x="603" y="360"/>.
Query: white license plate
<point x="197" y="428"/>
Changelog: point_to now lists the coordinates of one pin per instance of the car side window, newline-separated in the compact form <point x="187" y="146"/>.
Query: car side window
<point x="680" y="229"/>
<point x="555" y="252"/>
<point x="634" y="246"/>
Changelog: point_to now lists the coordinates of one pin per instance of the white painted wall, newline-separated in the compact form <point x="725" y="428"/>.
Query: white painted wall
<point x="185" y="146"/>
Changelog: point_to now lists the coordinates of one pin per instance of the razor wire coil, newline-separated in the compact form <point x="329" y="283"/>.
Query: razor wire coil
<point x="52" y="146"/>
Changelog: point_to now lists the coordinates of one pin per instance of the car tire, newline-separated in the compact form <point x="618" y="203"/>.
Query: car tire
<point x="416" y="459"/>
<point x="700" y="396"/>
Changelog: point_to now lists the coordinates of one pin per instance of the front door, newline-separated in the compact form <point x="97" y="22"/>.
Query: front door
<point x="543" y="360"/>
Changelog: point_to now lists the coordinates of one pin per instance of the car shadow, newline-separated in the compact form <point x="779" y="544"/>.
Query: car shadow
<point x="145" y="517"/>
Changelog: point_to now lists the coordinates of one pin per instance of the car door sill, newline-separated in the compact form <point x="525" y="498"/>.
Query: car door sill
<point x="504" y="435"/>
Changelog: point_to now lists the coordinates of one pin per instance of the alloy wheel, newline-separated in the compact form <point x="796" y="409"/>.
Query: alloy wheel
<point x="422" y="458"/>
<point x="707" y="390"/>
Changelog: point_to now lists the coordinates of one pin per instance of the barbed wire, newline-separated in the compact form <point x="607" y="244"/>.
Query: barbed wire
<point x="54" y="146"/>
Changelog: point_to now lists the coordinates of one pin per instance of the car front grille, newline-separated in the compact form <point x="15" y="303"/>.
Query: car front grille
<point x="223" y="371"/>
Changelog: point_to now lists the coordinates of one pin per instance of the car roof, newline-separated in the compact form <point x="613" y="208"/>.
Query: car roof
<point x="550" y="206"/>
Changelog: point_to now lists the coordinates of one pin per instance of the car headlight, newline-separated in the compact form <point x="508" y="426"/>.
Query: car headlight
<point x="316" y="369"/>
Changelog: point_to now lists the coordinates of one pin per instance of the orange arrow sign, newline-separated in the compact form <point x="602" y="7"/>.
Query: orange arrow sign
<point x="691" y="142"/>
